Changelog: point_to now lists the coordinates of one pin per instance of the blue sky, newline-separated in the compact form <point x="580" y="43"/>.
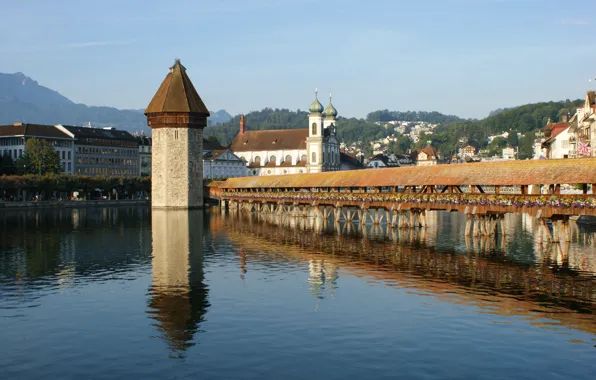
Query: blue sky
<point x="463" y="57"/>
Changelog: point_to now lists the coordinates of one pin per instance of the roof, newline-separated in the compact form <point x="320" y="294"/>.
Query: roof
<point x="177" y="94"/>
<point x="214" y="154"/>
<point x="429" y="151"/>
<point x="277" y="139"/>
<point x="144" y="140"/>
<point x="350" y="160"/>
<point x="99" y="133"/>
<point x="502" y="173"/>
<point x="33" y="130"/>
<point x="556" y="130"/>
<point x="384" y="158"/>
<point x="209" y="144"/>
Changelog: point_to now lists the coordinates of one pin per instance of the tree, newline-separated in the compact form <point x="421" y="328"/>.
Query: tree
<point x="39" y="158"/>
<point x="495" y="148"/>
<point x="526" y="147"/>
<point x="512" y="139"/>
<point x="401" y="145"/>
<point x="6" y="165"/>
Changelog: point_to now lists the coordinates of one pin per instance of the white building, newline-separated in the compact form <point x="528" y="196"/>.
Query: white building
<point x="292" y="151"/>
<point x="222" y="163"/>
<point x="144" y="154"/>
<point x="427" y="156"/>
<point x="509" y="153"/>
<point x="557" y="143"/>
<point x="13" y="138"/>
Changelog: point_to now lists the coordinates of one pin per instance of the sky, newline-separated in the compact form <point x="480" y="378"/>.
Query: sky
<point x="461" y="57"/>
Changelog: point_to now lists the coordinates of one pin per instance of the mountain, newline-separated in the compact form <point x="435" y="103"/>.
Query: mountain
<point x="23" y="99"/>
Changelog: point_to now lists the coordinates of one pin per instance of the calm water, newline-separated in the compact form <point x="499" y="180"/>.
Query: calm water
<point x="123" y="293"/>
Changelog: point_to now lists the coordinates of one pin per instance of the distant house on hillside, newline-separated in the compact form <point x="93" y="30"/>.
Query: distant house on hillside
<point x="509" y="153"/>
<point x="467" y="151"/>
<point x="427" y="156"/>
<point x="381" y="161"/>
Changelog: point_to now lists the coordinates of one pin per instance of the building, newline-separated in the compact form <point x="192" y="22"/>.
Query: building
<point x="556" y="142"/>
<point x="292" y="151"/>
<point x="427" y="156"/>
<point x="177" y="117"/>
<point x="468" y="151"/>
<point x="381" y="161"/>
<point x="104" y="151"/>
<point x="349" y="162"/>
<point x="144" y="155"/>
<point x="13" y="138"/>
<point x="584" y="125"/>
<point x="509" y="153"/>
<point x="220" y="162"/>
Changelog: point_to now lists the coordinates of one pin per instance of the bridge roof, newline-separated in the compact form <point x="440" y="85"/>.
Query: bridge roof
<point x="544" y="172"/>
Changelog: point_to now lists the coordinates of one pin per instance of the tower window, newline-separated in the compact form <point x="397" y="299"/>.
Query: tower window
<point x="314" y="128"/>
<point x="289" y="158"/>
<point x="314" y="157"/>
<point x="272" y="159"/>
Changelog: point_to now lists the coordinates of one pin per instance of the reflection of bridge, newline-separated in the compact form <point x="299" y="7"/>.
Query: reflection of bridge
<point x="488" y="280"/>
<point x="401" y="196"/>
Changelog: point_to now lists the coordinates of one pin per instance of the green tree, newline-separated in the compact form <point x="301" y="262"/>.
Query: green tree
<point x="401" y="145"/>
<point x="512" y="139"/>
<point x="39" y="157"/>
<point x="7" y="165"/>
<point x="495" y="148"/>
<point x="526" y="147"/>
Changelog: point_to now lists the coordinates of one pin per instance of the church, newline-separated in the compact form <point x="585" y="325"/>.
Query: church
<point x="292" y="151"/>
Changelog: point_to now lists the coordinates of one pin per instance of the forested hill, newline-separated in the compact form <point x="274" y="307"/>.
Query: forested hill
<point x="433" y="117"/>
<point x="526" y="119"/>
<point x="349" y="130"/>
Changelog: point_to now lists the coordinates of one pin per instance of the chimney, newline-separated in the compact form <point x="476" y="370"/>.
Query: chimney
<point x="242" y="124"/>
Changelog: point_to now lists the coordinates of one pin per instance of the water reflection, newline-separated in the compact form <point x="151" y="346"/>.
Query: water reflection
<point x="178" y="296"/>
<point x="516" y="274"/>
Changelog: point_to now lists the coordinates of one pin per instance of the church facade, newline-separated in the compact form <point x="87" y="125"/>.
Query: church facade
<point x="292" y="151"/>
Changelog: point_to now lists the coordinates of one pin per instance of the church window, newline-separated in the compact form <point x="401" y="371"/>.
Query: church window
<point x="314" y="157"/>
<point x="257" y="159"/>
<point x="303" y="158"/>
<point x="314" y="128"/>
<point x="272" y="159"/>
<point x="289" y="158"/>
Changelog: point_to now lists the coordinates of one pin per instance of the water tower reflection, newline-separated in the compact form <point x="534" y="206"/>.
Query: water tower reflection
<point x="178" y="296"/>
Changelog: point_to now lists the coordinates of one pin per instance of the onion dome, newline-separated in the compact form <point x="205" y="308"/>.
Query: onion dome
<point x="316" y="106"/>
<point x="330" y="111"/>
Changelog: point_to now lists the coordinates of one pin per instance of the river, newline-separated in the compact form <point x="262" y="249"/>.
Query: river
<point x="126" y="293"/>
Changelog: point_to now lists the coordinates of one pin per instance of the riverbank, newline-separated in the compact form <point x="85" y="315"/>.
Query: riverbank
<point x="74" y="204"/>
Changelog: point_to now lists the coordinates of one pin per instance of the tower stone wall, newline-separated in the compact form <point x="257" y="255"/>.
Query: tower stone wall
<point x="177" y="173"/>
<point x="177" y="116"/>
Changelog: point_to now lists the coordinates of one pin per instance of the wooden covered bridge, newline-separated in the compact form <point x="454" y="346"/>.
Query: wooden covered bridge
<point x="552" y="190"/>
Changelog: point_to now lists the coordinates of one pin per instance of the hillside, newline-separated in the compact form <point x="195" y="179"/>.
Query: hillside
<point x="23" y="99"/>
<point x="349" y="130"/>
<point x="526" y="119"/>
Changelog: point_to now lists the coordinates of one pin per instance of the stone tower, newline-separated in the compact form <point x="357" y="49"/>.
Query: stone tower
<point x="177" y="116"/>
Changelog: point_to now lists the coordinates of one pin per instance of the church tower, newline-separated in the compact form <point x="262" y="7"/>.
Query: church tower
<point x="314" y="142"/>
<point x="331" y="142"/>
<point x="177" y="116"/>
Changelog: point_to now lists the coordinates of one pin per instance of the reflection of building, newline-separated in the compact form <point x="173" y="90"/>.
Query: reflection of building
<point x="178" y="295"/>
<point x="322" y="275"/>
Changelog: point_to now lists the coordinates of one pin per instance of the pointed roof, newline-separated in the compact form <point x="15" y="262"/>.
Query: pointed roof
<point x="177" y="94"/>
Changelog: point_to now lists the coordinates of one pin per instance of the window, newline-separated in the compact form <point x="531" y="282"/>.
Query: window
<point x="69" y="157"/>
<point x="257" y="159"/>
<point x="313" y="157"/>
<point x="314" y="128"/>
<point x="272" y="158"/>
<point x="289" y="158"/>
<point x="303" y="158"/>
